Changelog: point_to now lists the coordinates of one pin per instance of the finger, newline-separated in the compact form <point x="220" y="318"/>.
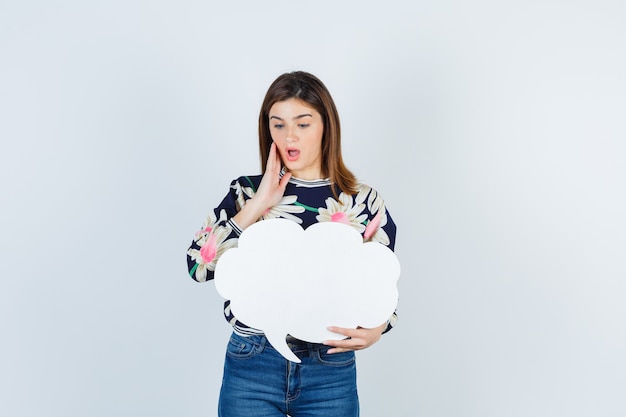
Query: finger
<point x="341" y="345"/>
<point x="349" y="340"/>
<point x="338" y="350"/>
<point x="344" y="331"/>
<point x="277" y="161"/>
<point x="345" y="345"/>
<point x="271" y="158"/>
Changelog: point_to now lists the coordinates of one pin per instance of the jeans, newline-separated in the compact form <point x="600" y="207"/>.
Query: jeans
<point x="259" y="382"/>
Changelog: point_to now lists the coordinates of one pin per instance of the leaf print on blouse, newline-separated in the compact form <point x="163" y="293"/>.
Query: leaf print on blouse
<point x="283" y="209"/>
<point x="213" y="242"/>
<point x="343" y="211"/>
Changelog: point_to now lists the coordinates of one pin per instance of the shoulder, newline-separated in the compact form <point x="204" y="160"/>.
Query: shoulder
<point x="364" y="191"/>
<point x="365" y="194"/>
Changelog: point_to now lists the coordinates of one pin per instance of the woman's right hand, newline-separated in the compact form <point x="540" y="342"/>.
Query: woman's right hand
<point x="272" y="187"/>
<point x="270" y="192"/>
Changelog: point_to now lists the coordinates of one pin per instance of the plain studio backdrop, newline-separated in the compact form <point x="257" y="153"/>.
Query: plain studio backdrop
<point x="494" y="130"/>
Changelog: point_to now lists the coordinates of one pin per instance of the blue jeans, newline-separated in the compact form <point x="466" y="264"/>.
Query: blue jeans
<point x="259" y="382"/>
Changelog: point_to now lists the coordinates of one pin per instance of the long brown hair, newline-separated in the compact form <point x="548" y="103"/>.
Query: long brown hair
<point x="311" y="90"/>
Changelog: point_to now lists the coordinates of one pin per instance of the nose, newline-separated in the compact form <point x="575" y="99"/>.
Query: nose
<point x="291" y="136"/>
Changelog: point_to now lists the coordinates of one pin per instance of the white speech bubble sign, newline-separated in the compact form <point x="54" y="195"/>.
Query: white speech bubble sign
<point x="283" y="280"/>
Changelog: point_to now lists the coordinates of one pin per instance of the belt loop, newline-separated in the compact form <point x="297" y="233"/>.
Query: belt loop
<point x="261" y="346"/>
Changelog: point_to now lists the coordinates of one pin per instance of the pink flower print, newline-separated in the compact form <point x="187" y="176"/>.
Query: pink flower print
<point x="374" y="231"/>
<point x="209" y="249"/>
<point x="343" y="211"/>
<point x="201" y="232"/>
<point x="210" y="223"/>
<point x="340" y="217"/>
<point x="372" y="226"/>
<point x="378" y="234"/>
<point x="212" y="246"/>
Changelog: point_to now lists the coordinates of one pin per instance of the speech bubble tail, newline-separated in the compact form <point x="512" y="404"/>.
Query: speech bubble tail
<point x="280" y="344"/>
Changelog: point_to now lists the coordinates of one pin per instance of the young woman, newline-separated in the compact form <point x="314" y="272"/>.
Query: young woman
<point x="304" y="180"/>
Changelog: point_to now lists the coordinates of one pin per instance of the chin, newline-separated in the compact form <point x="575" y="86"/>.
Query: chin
<point x="291" y="166"/>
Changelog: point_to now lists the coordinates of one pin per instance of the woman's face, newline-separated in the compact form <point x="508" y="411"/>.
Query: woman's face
<point x="297" y="130"/>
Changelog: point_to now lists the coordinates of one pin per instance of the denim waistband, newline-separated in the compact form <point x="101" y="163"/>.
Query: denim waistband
<point x="299" y="347"/>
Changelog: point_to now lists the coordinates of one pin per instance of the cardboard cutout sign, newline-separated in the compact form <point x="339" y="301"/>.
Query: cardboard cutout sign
<point x="283" y="280"/>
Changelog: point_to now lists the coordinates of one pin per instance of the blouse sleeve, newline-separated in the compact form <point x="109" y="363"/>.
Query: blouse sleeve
<point x="380" y="228"/>
<point x="218" y="233"/>
<point x="390" y="230"/>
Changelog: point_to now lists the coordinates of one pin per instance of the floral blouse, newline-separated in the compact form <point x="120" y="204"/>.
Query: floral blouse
<point x="304" y="202"/>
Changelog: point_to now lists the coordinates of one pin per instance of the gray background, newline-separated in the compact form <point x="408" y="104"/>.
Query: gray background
<point x="494" y="130"/>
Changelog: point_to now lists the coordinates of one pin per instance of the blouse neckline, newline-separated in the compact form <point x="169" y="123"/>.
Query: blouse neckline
<point x="306" y="183"/>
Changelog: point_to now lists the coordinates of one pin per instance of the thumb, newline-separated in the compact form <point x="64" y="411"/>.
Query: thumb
<point x="284" y="180"/>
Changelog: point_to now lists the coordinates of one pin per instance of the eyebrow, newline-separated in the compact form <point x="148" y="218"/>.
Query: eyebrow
<point x="300" y="116"/>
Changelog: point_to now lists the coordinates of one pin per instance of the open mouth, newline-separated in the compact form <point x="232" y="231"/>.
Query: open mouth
<point x="292" y="154"/>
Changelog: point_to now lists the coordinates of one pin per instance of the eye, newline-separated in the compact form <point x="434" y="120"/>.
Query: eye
<point x="303" y="125"/>
<point x="279" y="126"/>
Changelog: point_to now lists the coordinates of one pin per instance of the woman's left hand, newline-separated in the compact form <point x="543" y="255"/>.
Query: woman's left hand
<point x="359" y="338"/>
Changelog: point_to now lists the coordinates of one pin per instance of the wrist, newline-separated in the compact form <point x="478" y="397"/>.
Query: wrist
<point x="256" y="206"/>
<point x="250" y="213"/>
